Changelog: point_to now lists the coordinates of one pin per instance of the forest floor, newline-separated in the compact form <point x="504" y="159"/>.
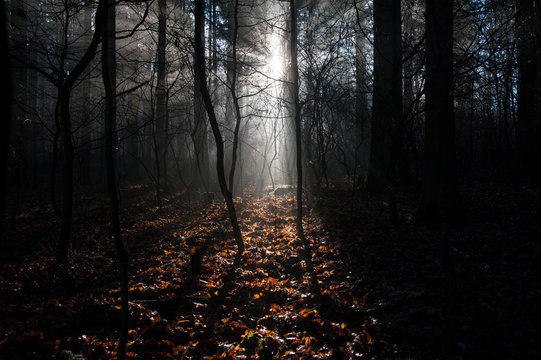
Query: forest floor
<point x="366" y="289"/>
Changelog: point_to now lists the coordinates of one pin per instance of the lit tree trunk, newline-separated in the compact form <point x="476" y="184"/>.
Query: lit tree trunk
<point x="201" y="79"/>
<point x="161" y="102"/>
<point x="387" y="102"/>
<point x="233" y="85"/>
<point x="439" y="199"/>
<point x="109" y="82"/>
<point x="296" y="111"/>
<point x="528" y="120"/>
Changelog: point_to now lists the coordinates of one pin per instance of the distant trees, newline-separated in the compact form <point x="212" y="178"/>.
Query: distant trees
<point x="368" y="73"/>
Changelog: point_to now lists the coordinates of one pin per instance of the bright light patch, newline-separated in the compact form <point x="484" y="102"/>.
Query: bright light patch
<point x="275" y="59"/>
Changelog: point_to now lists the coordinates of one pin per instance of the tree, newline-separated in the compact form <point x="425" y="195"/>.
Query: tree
<point x="65" y="84"/>
<point x="439" y="200"/>
<point x="387" y="101"/>
<point x="161" y="138"/>
<point x="109" y="81"/>
<point x="234" y="95"/>
<point x="203" y="89"/>
<point x="296" y="111"/>
<point x="6" y="121"/>
<point x="529" y="95"/>
<point x="199" y="133"/>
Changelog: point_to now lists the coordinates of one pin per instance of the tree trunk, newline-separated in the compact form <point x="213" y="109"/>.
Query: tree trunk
<point x="528" y="129"/>
<point x="296" y="111"/>
<point x="387" y="103"/>
<point x="6" y="121"/>
<point x="201" y="79"/>
<point x="64" y="93"/>
<point x="67" y="174"/>
<point x="161" y="101"/>
<point x="440" y="188"/>
<point x="199" y="134"/>
<point x="109" y="81"/>
<point x="233" y="85"/>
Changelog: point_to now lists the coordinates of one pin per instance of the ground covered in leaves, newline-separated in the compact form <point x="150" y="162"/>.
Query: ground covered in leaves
<point x="365" y="288"/>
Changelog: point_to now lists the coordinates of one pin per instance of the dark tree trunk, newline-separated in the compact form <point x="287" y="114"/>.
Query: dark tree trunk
<point x="86" y="147"/>
<point x="201" y="78"/>
<point x="528" y="120"/>
<point x="440" y="188"/>
<point x="161" y="102"/>
<point x="387" y="102"/>
<point x="199" y="134"/>
<point x="238" y="118"/>
<point x="6" y="121"/>
<point x="68" y="154"/>
<point x="109" y="82"/>
<point x="64" y="93"/>
<point x="296" y="111"/>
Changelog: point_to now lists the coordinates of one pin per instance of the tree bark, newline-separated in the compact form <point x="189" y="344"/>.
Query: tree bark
<point x="233" y="85"/>
<point x="528" y="121"/>
<point x="109" y="81"/>
<point x="440" y="199"/>
<point x="161" y="101"/>
<point x="201" y="79"/>
<point x="296" y="111"/>
<point x="199" y="134"/>
<point x="6" y="121"/>
<point x="387" y="102"/>
<point x="64" y="87"/>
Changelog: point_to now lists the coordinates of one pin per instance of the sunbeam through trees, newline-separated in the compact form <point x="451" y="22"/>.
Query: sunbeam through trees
<point x="268" y="179"/>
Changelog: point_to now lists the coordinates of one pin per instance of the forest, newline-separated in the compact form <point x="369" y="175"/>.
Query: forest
<point x="270" y="179"/>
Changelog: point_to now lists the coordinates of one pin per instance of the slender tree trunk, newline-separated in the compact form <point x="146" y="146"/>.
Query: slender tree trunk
<point x="238" y="117"/>
<point x="68" y="154"/>
<point x="86" y="148"/>
<point x="65" y="87"/>
<point x="296" y="111"/>
<point x="199" y="134"/>
<point x="6" y="121"/>
<point x="161" y="101"/>
<point x="109" y="81"/>
<point x="200" y="75"/>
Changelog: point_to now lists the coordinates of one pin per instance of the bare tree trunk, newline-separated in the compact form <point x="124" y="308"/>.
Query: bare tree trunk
<point x="6" y="121"/>
<point x="109" y="81"/>
<point x="161" y="102"/>
<point x="297" y="112"/>
<point x="387" y="108"/>
<point x="201" y="77"/>
<point x="528" y="46"/>
<point x="64" y="87"/>
<point x="440" y="162"/>
<point x="199" y="134"/>
<point x="64" y="95"/>
<point x="233" y="85"/>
